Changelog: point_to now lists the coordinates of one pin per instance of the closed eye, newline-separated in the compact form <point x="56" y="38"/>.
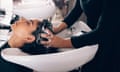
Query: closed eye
<point x="30" y="23"/>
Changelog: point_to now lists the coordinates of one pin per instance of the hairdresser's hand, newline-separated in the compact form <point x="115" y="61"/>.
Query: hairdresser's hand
<point x="59" y="28"/>
<point x="55" y="41"/>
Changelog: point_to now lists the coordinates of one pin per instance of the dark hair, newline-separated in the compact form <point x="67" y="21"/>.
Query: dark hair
<point x="40" y="29"/>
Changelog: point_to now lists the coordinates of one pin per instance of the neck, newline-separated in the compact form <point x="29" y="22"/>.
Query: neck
<point x="15" y="43"/>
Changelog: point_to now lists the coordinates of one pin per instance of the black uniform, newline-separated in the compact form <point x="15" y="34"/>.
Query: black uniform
<point x="103" y="18"/>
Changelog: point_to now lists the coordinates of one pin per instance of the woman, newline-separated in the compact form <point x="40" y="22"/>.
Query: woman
<point x="103" y="18"/>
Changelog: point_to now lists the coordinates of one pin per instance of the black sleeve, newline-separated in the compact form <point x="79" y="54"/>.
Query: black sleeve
<point x="95" y="35"/>
<point x="74" y="14"/>
<point x="86" y="39"/>
<point x="106" y="30"/>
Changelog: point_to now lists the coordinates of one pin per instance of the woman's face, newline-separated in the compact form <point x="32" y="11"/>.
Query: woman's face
<point x="23" y="28"/>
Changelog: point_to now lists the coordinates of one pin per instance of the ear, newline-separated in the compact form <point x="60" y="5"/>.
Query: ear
<point x="29" y="39"/>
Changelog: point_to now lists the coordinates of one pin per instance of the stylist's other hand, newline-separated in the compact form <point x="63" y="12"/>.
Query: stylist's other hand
<point x="59" y="28"/>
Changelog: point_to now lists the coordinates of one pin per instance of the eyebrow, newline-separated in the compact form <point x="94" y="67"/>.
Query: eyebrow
<point x="29" y="22"/>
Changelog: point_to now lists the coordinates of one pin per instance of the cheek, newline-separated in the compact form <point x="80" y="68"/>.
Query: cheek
<point x="19" y="33"/>
<point x="20" y="37"/>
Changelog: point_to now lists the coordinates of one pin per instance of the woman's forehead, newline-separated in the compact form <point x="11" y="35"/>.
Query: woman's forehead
<point x="29" y="24"/>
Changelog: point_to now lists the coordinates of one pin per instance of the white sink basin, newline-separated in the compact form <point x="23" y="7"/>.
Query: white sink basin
<point x="56" y="62"/>
<point x="35" y="9"/>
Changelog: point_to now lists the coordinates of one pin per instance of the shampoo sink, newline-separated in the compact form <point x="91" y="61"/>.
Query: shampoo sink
<point x="63" y="61"/>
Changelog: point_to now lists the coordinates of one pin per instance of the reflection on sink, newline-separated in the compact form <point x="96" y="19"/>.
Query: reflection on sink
<point x="56" y="62"/>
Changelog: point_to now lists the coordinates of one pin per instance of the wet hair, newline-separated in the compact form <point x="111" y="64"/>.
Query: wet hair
<point x="41" y="29"/>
